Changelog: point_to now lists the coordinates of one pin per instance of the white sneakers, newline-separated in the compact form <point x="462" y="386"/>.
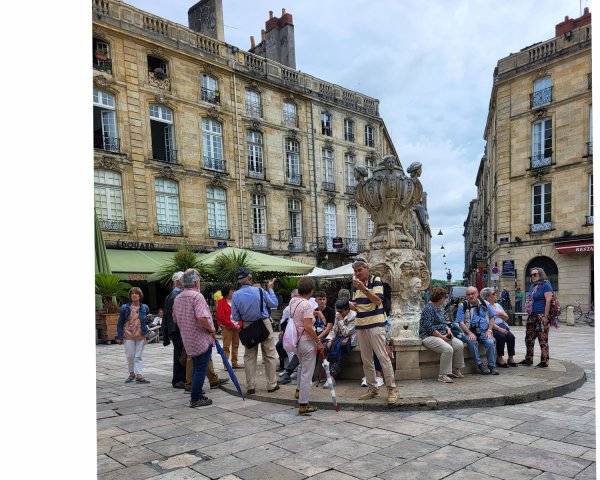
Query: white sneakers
<point x="380" y="382"/>
<point x="445" y="379"/>
<point x="363" y="382"/>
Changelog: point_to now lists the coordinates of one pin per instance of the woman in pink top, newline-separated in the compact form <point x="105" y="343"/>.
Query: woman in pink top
<point x="302" y="314"/>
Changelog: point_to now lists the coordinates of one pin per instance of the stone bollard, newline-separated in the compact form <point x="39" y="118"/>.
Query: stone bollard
<point x="570" y="316"/>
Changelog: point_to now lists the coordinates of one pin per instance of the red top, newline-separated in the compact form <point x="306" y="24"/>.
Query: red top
<point x="224" y="314"/>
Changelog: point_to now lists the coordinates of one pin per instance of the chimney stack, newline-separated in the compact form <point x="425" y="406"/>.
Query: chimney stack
<point x="206" y="17"/>
<point x="572" y="23"/>
<point x="277" y="40"/>
<point x="252" y="44"/>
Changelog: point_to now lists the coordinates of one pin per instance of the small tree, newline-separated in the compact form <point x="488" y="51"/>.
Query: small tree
<point x="183" y="259"/>
<point x="111" y="288"/>
<point x="225" y="265"/>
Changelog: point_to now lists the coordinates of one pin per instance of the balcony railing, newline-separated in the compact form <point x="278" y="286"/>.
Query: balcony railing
<point x="167" y="156"/>
<point x="349" y="137"/>
<point x="541" y="97"/>
<point x="211" y="96"/>
<point x="155" y="81"/>
<point x="261" y="241"/>
<point x="541" y="227"/>
<point x="293" y="179"/>
<point x="589" y="219"/>
<point x="254" y="173"/>
<point x="103" y="65"/>
<point x="290" y="119"/>
<point x="253" y="109"/>
<point x="296" y="244"/>
<point x="170" y="229"/>
<point x="113" y="225"/>
<point x="326" y="130"/>
<point x="350" y="189"/>
<point x="218" y="233"/>
<point x="541" y="160"/>
<point x="217" y="164"/>
<point x="341" y="245"/>
<point x="328" y="186"/>
<point x="110" y="144"/>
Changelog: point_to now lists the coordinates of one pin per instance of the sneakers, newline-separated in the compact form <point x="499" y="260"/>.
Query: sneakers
<point x="201" y="402"/>
<point x="130" y="379"/>
<point x="274" y="389"/>
<point x="372" y="392"/>
<point x="363" y="382"/>
<point x="380" y="382"/>
<point x="306" y="409"/>
<point x="141" y="380"/>
<point x="493" y="371"/>
<point x="445" y="379"/>
<point x="284" y="378"/>
<point x="456" y="374"/>
<point x="221" y="381"/>
<point x="392" y="395"/>
<point x="482" y="369"/>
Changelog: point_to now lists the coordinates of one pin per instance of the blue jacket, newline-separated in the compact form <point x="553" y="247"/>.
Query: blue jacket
<point x="124" y="315"/>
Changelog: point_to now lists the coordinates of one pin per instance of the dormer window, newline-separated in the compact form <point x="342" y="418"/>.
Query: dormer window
<point x="101" y="55"/>
<point x="158" y="73"/>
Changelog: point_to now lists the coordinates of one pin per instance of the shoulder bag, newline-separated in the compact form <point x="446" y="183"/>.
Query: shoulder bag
<point x="256" y="332"/>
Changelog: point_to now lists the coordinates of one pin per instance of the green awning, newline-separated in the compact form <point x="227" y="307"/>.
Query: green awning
<point x="262" y="261"/>
<point x="136" y="264"/>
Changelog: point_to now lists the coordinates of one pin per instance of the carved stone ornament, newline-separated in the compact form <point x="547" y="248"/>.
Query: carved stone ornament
<point x="101" y="81"/>
<point x="352" y="203"/>
<point x="256" y="125"/>
<point x="328" y="144"/>
<point x="213" y="112"/>
<point x="254" y="85"/>
<point x="330" y="197"/>
<point x="167" y="172"/>
<point x="161" y="98"/>
<point x="258" y="188"/>
<point x="351" y="151"/>
<point x="217" y="181"/>
<point x="297" y="194"/>
<point x="290" y="97"/>
<point x="539" y="112"/>
<point x="208" y="69"/>
<point x="109" y="163"/>
<point x="293" y="133"/>
<point x="157" y="52"/>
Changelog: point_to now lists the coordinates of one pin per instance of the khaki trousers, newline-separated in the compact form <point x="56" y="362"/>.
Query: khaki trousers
<point x="269" y="355"/>
<point x="451" y="354"/>
<point x="307" y="353"/>
<point x="372" y="340"/>
<point x="213" y="378"/>
<point x="231" y="338"/>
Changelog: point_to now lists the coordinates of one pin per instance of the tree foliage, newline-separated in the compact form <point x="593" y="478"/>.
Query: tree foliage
<point x="112" y="290"/>
<point x="183" y="259"/>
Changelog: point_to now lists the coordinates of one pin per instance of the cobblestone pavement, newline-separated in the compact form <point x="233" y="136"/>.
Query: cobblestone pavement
<point x="148" y="431"/>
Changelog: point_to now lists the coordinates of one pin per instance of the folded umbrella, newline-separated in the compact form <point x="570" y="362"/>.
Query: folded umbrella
<point x="229" y="369"/>
<point x="329" y="382"/>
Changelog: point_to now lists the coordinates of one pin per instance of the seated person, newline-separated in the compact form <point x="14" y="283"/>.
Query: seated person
<point x="473" y="316"/>
<point x="437" y="336"/>
<point x="157" y="321"/>
<point x="342" y="337"/>
<point x="501" y="332"/>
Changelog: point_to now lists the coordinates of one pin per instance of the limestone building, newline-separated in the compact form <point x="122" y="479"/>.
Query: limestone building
<point x="534" y="202"/>
<point x="199" y="142"/>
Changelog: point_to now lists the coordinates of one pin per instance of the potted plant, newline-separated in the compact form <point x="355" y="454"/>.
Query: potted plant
<point x="112" y="290"/>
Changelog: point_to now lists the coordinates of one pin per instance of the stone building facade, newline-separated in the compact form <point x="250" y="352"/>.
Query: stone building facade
<point x="198" y="142"/>
<point x="535" y="180"/>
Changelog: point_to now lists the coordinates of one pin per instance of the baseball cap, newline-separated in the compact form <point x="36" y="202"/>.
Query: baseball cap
<point x="242" y="273"/>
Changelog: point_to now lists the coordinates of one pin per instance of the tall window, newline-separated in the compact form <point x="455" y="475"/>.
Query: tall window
<point x="590" y="150"/>
<point x="369" y="136"/>
<point x="352" y="229"/>
<point x="370" y="225"/>
<point x="217" y="212"/>
<point x="541" y="207"/>
<point x="330" y="220"/>
<point x="259" y="214"/>
<point x="590" y="219"/>
<point x="209" y="89"/>
<point x="167" y="207"/>
<point x="295" y="216"/>
<point x="212" y="140"/>
<point x="541" y="147"/>
<point x="326" y="124"/>
<point x="162" y="134"/>
<point x="158" y="73"/>
<point x="289" y="114"/>
<point x="292" y="162"/>
<point x="350" y="181"/>
<point x="253" y="106"/>
<point x="542" y="92"/>
<point x="328" y="170"/>
<point x="105" y="122"/>
<point x="348" y="130"/>
<point x="255" y="154"/>
<point x="108" y="196"/>
<point x="101" y="55"/>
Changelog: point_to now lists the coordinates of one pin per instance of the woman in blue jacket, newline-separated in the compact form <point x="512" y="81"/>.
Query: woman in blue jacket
<point x="132" y="330"/>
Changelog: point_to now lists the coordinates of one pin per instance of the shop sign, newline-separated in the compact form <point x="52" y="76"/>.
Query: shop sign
<point x="221" y="244"/>
<point x="508" y="268"/>
<point x="138" y="276"/>
<point x="135" y="245"/>
<point x="586" y="246"/>
<point x="495" y="276"/>
<point x="338" y="242"/>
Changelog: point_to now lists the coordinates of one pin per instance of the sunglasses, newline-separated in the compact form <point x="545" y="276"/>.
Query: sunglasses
<point x="535" y="275"/>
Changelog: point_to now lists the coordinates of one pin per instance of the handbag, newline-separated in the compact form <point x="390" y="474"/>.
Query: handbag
<point x="256" y="332"/>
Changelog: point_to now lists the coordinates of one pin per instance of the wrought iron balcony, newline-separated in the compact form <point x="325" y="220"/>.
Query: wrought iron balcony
<point x="326" y="130"/>
<point x="589" y="219"/>
<point x="217" y="164"/>
<point x="157" y="80"/>
<point x="541" y="160"/>
<point x="541" y="227"/>
<point x="218" y="233"/>
<point x="350" y="189"/>
<point x="328" y="186"/>
<point x="211" y="96"/>
<point x="295" y="243"/>
<point x="341" y="245"/>
<point x="113" y="225"/>
<point x="541" y="97"/>
<point x="104" y="142"/>
<point x="349" y="137"/>
<point x="293" y="179"/>
<point x="290" y="119"/>
<point x="170" y="229"/>
<point x="261" y="241"/>
<point x="103" y="65"/>
<point x="167" y="156"/>
<point x="253" y="109"/>
<point x="254" y="173"/>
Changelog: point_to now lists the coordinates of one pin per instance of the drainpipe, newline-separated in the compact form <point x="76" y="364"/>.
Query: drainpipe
<point x="316" y="222"/>
<point x="239" y="161"/>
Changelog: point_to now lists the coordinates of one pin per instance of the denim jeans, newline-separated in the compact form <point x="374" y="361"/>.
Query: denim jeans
<point x="490" y="349"/>
<point x="199" y="372"/>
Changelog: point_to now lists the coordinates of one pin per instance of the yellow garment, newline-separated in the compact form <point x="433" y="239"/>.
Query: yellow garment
<point x="217" y="296"/>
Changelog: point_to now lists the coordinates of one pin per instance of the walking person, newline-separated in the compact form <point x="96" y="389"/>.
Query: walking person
<point x="537" y="305"/>
<point x="132" y="330"/>
<point x="500" y="329"/>
<point x="170" y="332"/>
<point x="247" y="307"/>
<point x="302" y="314"/>
<point x="230" y="330"/>
<point x="519" y="300"/>
<point x="192" y="315"/>
<point x="367" y="302"/>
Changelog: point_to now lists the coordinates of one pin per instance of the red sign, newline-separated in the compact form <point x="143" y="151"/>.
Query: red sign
<point x="581" y="246"/>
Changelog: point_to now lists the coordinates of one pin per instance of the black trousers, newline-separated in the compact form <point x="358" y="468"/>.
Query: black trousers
<point x="501" y="340"/>
<point x="178" y="370"/>
<point x="281" y="352"/>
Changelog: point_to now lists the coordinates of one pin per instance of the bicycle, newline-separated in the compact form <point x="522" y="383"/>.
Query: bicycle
<point x="579" y="312"/>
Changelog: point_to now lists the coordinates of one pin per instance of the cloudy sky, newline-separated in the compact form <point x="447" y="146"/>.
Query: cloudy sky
<point x="430" y="64"/>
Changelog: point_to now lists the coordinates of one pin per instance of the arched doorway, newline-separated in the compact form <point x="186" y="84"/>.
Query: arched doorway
<point x="546" y="264"/>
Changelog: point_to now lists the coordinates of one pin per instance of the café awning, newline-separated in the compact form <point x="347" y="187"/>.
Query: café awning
<point x="578" y="246"/>
<point x="136" y="264"/>
<point x="261" y="261"/>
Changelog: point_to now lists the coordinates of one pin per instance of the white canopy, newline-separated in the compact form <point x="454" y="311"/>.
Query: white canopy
<point x="317" y="271"/>
<point x="339" y="272"/>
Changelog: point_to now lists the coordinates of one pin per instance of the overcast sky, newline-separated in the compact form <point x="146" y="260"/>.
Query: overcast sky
<point x="430" y="64"/>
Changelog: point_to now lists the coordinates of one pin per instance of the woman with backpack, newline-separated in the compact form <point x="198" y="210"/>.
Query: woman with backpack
<point x="537" y="305"/>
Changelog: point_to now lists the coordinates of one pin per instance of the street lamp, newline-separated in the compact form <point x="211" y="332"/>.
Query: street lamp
<point x="440" y="232"/>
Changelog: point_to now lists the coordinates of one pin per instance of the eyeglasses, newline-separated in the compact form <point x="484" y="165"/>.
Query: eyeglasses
<point x="535" y="275"/>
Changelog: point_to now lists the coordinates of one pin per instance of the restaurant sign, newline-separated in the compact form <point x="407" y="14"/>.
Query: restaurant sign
<point x="135" y="245"/>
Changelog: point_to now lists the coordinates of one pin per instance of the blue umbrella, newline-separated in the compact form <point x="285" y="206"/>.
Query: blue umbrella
<point x="229" y="369"/>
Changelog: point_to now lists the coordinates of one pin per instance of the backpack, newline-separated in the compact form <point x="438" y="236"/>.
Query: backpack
<point x="290" y="336"/>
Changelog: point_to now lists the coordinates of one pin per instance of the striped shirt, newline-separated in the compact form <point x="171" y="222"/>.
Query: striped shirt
<point x="369" y="315"/>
